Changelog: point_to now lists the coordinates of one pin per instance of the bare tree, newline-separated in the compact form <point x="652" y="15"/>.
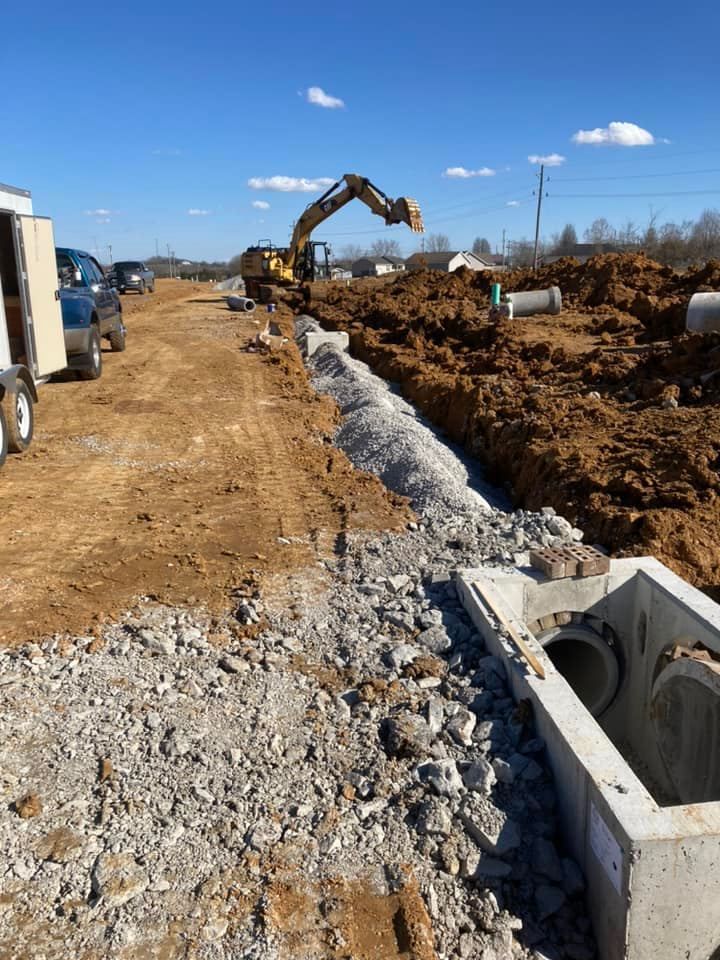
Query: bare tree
<point x="628" y="236"/>
<point x="649" y="237"/>
<point x="521" y="253"/>
<point x="385" y="248"/>
<point x="600" y="231"/>
<point x="437" y="243"/>
<point x="351" y="251"/>
<point x="673" y="243"/>
<point x="565" y="242"/>
<point x="705" y="237"/>
<point x="481" y="245"/>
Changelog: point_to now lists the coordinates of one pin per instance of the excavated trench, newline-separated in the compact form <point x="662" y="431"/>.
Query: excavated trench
<point x="607" y="412"/>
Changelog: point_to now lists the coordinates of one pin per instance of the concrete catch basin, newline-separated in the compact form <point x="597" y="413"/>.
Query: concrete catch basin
<point x="630" y="713"/>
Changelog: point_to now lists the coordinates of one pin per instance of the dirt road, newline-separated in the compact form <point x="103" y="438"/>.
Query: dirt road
<point x="190" y="466"/>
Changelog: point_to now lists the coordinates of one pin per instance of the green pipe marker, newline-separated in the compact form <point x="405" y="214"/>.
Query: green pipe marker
<point x="495" y="295"/>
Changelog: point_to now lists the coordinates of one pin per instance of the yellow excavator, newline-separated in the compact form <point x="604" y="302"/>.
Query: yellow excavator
<point x="264" y="266"/>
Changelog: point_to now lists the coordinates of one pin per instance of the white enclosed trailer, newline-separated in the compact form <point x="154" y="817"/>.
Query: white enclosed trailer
<point x="32" y="346"/>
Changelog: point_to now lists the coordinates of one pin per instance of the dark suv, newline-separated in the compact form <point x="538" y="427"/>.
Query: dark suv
<point x="91" y="310"/>
<point x="132" y="275"/>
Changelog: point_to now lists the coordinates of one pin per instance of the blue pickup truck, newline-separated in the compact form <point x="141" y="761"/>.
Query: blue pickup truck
<point x="91" y="311"/>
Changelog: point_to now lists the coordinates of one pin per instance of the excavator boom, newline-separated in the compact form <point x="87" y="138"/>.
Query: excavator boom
<point x="403" y="210"/>
<point x="264" y="265"/>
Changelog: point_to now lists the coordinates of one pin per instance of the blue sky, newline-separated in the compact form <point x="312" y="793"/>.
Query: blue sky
<point x="122" y="119"/>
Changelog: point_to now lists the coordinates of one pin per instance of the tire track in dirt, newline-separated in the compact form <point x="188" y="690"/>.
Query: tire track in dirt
<point x="174" y="474"/>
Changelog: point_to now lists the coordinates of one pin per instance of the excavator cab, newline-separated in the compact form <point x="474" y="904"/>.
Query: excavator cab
<point x="313" y="262"/>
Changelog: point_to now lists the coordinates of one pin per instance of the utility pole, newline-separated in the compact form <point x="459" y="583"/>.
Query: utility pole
<point x="503" y="248"/>
<point x="537" y="221"/>
<point x="169" y="262"/>
<point x="157" y="250"/>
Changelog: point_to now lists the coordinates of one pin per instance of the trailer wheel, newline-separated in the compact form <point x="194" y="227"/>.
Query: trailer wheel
<point x="94" y="356"/>
<point x="19" y="418"/>
<point x="3" y="437"/>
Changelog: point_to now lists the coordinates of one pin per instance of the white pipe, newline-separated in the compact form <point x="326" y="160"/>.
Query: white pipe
<point x="241" y="304"/>
<point x="703" y="313"/>
<point x="535" y="301"/>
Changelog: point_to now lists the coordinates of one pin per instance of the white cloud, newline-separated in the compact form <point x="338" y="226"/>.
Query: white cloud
<point x="167" y="152"/>
<point x="103" y="220"/>
<point x="261" y="204"/>
<point x="290" y="184"/>
<point x="462" y="173"/>
<point x="197" y="212"/>
<point x="318" y="96"/>
<point x="513" y="203"/>
<point x="100" y="212"/>
<point x="550" y="159"/>
<point x="616" y="134"/>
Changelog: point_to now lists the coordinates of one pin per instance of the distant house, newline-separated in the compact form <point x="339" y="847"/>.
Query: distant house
<point x="340" y="273"/>
<point x="377" y="266"/>
<point x="398" y="263"/>
<point x="448" y="261"/>
<point x="494" y="260"/>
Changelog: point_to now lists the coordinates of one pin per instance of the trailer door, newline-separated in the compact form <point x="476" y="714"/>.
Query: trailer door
<point x="41" y="289"/>
<point x="5" y="356"/>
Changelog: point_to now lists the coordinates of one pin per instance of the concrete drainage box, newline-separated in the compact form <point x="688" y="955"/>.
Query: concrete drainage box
<point x="630" y="713"/>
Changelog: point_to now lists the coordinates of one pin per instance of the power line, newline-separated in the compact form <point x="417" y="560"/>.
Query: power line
<point x="608" y="196"/>
<point x="379" y="233"/>
<point x="638" y="176"/>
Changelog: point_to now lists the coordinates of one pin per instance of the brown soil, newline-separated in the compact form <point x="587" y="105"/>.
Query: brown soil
<point x="574" y="411"/>
<point x="349" y="920"/>
<point x="174" y="475"/>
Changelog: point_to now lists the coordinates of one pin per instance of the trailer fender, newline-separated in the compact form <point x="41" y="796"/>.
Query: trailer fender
<point x="10" y="376"/>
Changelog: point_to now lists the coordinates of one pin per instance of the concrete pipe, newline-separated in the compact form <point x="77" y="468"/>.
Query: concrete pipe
<point x="586" y="661"/>
<point x="241" y="304"/>
<point x="703" y="313"/>
<point x="535" y="301"/>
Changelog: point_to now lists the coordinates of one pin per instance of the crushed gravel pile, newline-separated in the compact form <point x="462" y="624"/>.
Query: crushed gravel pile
<point x="336" y="770"/>
<point x="182" y="791"/>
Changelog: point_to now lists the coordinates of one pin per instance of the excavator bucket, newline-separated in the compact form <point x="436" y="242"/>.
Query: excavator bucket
<point x="406" y="210"/>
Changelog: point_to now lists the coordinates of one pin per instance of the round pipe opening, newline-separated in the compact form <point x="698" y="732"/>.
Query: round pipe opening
<point x="587" y="663"/>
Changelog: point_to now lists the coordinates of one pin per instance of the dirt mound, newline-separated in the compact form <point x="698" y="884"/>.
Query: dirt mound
<point x="585" y="411"/>
<point x="621" y="285"/>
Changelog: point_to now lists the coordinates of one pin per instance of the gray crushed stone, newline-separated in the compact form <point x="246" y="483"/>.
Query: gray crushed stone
<point x="352" y="732"/>
<point x="385" y="435"/>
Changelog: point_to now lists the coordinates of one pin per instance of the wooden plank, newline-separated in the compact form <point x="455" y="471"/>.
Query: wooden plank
<point x="519" y="641"/>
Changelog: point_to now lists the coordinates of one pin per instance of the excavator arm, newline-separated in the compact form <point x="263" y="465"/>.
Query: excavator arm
<point x="402" y="210"/>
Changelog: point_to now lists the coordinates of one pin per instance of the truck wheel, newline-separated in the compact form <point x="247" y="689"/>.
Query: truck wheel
<point x="3" y="437"/>
<point x="152" y="288"/>
<point x="117" y="340"/>
<point x="94" y="356"/>
<point x="141" y="288"/>
<point x="19" y="418"/>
